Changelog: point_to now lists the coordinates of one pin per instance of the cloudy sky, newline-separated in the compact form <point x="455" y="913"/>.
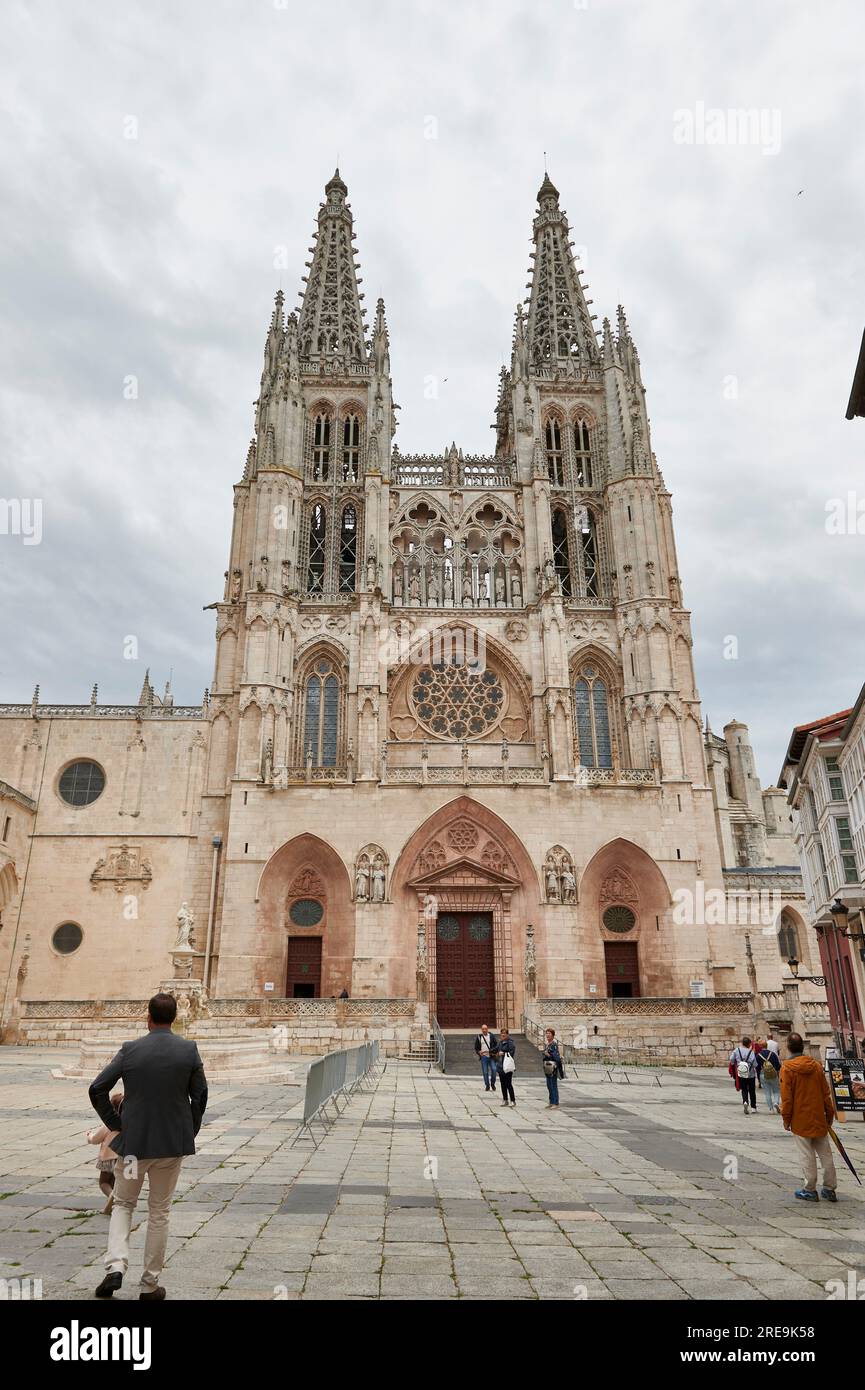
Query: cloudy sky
<point x="158" y="161"/>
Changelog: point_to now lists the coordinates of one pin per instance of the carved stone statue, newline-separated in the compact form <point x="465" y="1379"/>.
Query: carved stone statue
<point x="433" y="587"/>
<point x="236" y="582"/>
<point x="549" y="572"/>
<point x="185" y="929"/>
<point x="361" y="881"/>
<point x="569" y="883"/>
<point x="397" y="582"/>
<point x="430" y="909"/>
<point x="267" y="763"/>
<point x="262" y="574"/>
<point x="449" y="586"/>
<point x="467" y="588"/>
<point x="516" y="589"/>
<point x="414" y="588"/>
<point x="421" y="967"/>
<point x="500" y="589"/>
<point x="378" y="879"/>
<point x="552" y="882"/>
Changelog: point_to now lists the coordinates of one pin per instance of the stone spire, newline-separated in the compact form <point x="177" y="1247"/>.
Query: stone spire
<point x="331" y="318"/>
<point x="146" y="696"/>
<point x="560" y="332"/>
<point x="380" y="343"/>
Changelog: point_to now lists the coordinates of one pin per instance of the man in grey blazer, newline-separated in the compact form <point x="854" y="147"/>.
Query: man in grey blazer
<point x="164" y="1096"/>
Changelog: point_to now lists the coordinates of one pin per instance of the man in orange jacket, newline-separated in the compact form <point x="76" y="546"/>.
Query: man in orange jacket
<point x="807" y="1110"/>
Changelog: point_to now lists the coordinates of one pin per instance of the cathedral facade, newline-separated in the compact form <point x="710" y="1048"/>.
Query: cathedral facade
<point x="452" y="761"/>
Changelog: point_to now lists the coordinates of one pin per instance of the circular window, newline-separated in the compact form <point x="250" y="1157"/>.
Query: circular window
<point x="67" y="938"/>
<point x="453" y="701"/>
<point x="619" y="919"/>
<point x="81" y="783"/>
<point x="306" y="912"/>
<point x="447" y="927"/>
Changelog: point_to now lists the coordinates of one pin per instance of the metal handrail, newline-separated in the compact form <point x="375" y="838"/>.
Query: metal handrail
<point x="439" y="1038"/>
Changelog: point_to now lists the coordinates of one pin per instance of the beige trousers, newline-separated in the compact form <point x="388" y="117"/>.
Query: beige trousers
<point x="162" y="1175"/>
<point x="809" y="1151"/>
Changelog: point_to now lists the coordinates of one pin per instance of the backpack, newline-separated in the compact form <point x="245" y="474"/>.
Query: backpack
<point x="769" y="1071"/>
<point x="744" y="1068"/>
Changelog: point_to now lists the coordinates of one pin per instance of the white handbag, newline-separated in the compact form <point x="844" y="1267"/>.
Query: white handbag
<point x="509" y="1064"/>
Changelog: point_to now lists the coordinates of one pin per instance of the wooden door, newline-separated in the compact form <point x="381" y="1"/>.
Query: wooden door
<point x="303" y="972"/>
<point x="623" y="969"/>
<point x="465" y="973"/>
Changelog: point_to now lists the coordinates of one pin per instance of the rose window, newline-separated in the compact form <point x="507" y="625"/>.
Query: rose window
<point x="455" y="702"/>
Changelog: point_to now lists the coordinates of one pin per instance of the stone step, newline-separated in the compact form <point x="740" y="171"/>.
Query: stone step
<point x="461" y="1058"/>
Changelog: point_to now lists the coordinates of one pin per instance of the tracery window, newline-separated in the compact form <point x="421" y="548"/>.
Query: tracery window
<point x="321" y="448"/>
<point x="555" y="458"/>
<point x="583" y="472"/>
<point x="321" y="708"/>
<point x="348" y="551"/>
<point x="592" y="718"/>
<point x="350" y="449"/>
<point x="454" y="701"/>
<point x="436" y="566"/>
<point x="561" y="551"/>
<point x="317" y="549"/>
<point x="788" y="938"/>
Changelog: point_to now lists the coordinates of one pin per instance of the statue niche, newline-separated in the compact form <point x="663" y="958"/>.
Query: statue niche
<point x="370" y="875"/>
<point x="560" y="881"/>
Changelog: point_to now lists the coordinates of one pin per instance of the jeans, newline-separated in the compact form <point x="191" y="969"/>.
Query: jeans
<point x="809" y="1151"/>
<point x="553" y="1088"/>
<point x="507" y="1080"/>
<point x="488" y="1067"/>
<point x="772" y="1092"/>
<point x="162" y="1175"/>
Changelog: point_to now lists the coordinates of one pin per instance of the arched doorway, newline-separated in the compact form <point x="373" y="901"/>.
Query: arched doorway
<point x="306" y="921"/>
<point x="470" y="879"/>
<point x="629" y="953"/>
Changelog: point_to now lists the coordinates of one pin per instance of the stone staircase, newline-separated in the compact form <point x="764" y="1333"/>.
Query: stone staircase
<point x="461" y="1058"/>
<point x="419" y="1052"/>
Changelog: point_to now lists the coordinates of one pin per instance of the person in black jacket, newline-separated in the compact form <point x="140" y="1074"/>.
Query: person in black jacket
<point x="553" y="1067"/>
<point x="164" y="1098"/>
<point x="485" y="1048"/>
<point x="506" y="1048"/>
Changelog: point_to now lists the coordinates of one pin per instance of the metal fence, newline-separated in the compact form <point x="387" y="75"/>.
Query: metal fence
<point x="337" y="1074"/>
<point x="591" y="1063"/>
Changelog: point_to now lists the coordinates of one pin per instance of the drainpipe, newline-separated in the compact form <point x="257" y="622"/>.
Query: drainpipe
<point x="217" y="845"/>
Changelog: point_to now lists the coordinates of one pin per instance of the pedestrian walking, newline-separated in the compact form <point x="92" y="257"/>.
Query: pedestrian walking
<point x="506" y="1066"/>
<point x="485" y="1047"/>
<point x="769" y="1065"/>
<point x="164" y="1097"/>
<point x="743" y="1061"/>
<point x="553" y="1068"/>
<point x="807" y="1111"/>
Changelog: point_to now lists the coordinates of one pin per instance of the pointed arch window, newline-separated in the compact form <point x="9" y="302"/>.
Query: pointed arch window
<point x="788" y="938"/>
<point x="555" y="462"/>
<point x="561" y="551"/>
<point x="592" y="718"/>
<point x="583" y="471"/>
<point x="348" y="551"/>
<point x="317" y="549"/>
<point x="321" y="448"/>
<point x="588" y="542"/>
<point x="350" y="448"/>
<point x="321" y="709"/>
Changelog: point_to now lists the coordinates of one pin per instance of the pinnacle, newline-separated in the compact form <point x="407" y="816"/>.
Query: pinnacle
<point x="548" y="189"/>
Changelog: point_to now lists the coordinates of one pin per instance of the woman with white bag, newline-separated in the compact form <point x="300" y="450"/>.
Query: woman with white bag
<point x="506" y="1066"/>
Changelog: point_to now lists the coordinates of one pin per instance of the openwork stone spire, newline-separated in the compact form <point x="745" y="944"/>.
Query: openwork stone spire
<point x="560" y="331"/>
<point x="331" y="319"/>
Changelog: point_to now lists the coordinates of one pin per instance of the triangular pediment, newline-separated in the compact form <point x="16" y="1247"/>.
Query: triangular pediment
<point x="463" y="872"/>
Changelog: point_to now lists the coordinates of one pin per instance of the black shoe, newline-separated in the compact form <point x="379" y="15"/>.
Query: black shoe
<point x="110" y="1284"/>
<point x="152" y="1295"/>
<point x="829" y="1194"/>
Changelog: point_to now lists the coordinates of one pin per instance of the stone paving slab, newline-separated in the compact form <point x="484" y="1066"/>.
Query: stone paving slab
<point x="425" y="1188"/>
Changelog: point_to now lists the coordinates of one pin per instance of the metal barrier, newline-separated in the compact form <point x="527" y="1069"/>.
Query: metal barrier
<point x="439" y="1037"/>
<point x="330" y="1077"/>
<point x="614" y="1062"/>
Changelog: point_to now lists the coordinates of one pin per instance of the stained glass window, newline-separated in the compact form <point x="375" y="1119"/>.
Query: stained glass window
<point x="81" y="783"/>
<point x="455" y="702"/>
<point x="306" y="912"/>
<point x="591" y="713"/>
<point x="321" y="722"/>
<point x="67" y="938"/>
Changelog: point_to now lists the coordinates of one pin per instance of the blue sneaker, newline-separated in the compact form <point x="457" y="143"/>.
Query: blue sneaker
<point x="829" y="1194"/>
<point x="806" y="1196"/>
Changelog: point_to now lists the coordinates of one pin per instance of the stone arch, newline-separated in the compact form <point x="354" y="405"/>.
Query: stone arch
<point x="316" y="650"/>
<point x="622" y="874"/>
<point x="305" y="866"/>
<point x="8" y="884"/>
<point x="468" y="859"/>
